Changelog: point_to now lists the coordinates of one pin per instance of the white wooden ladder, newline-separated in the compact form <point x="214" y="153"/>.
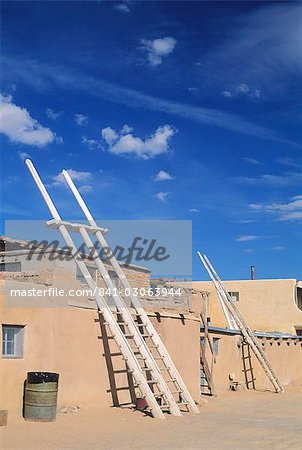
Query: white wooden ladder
<point x="146" y="357"/>
<point x="246" y="331"/>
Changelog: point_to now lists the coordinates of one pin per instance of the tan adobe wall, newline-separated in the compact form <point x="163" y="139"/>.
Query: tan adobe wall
<point x="266" y="305"/>
<point x="138" y="278"/>
<point x="284" y="355"/>
<point x="65" y="340"/>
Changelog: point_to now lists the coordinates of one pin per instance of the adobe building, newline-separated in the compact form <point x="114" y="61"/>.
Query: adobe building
<point x="64" y="334"/>
<point x="273" y="310"/>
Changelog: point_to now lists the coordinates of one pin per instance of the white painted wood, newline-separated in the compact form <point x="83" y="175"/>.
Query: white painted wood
<point x="126" y="350"/>
<point x="132" y="327"/>
<point x="242" y="325"/>
<point x="186" y="396"/>
<point x="229" y="318"/>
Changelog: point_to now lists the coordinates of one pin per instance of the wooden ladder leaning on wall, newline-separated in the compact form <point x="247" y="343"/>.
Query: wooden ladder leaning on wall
<point x="241" y="324"/>
<point x="146" y="357"/>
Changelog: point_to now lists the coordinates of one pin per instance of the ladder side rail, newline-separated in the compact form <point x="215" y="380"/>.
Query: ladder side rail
<point x="139" y="340"/>
<point x="121" y="340"/>
<point x="219" y="281"/>
<point x="207" y="370"/>
<point x="228" y="314"/>
<point x="134" y="299"/>
<point x="205" y="327"/>
<point x="258" y="353"/>
<point x="235" y="311"/>
<point x="247" y="332"/>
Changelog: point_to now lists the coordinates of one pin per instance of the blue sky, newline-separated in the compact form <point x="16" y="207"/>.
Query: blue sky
<point x="161" y="110"/>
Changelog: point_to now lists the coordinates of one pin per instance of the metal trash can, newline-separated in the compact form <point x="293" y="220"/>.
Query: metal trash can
<point x="40" y="399"/>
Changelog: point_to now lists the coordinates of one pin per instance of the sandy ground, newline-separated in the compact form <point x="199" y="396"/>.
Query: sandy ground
<point x="234" y="420"/>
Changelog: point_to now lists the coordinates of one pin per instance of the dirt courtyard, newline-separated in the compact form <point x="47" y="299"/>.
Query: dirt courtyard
<point x="233" y="420"/>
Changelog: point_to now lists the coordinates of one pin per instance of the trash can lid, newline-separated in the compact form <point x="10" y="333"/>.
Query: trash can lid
<point x="42" y="377"/>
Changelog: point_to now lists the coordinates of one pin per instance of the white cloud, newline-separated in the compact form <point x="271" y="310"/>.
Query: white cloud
<point x="291" y="162"/>
<point x="157" y="49"/>
<point x="85" y="189"/>
<point x="54" y="115"/>
<point x="194" y="210"/>
<point x="33" y="73"/>
<point x="162" y="196"/>
<point x="125" y="143"/>
<point x="278" y="181"/>
<point x="122" y="7"/>
<point x="23" y="156"/>
<point x="292" y="210"/>
<point x="246" y="221"/>
<point x="109" y="135"/>
<point x="81" y="177"/>
<point x="242" y="89"/>
<point x="17" y="124"/>
<point x="91" y="143"/>
<point x="277" y="248"/>
<point x="247" y="237"/>
<point x="265" y="43"/>
<point x="253" y="161"/>
<point x="163" y="176"/>
<point x="80" y="119"/>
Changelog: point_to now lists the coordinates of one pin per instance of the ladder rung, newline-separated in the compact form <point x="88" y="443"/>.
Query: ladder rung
<point x="106" y="337"/>
<point x="172" y="380"/>
<point x="148" y="409"/>
<point x="146" y="369"/>
<point x="152" y="381"/>
<point x="135" y="348"/>
<point x="153" y="346"/>
<point x="147" y="335"/>
<point x="122" y="323"/>
<point x="141" y="324"/>
<point x="182" y="403"/>
<point x="75" y="226"/>
<point x="178" y="391"/>
<point x="123" y="371"/>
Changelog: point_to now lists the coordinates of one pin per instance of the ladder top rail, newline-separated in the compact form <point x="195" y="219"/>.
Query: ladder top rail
<point x="73" y="226"/>
<point x="42" y="189"/>
<point x="79" y="198"/>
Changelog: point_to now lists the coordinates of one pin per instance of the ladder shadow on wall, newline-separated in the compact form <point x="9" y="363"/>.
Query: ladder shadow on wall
<point x="114" y="361"/>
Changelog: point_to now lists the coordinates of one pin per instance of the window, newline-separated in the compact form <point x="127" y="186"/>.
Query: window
<point x="81" y="278"/>
<point x="114" y="278"/>
<point x="215" y="345"/>
<point x="234" y="296"/>
<point x="12" y="341"/>
<point x="10" y="267"/>
<point x="299" y="298"/>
